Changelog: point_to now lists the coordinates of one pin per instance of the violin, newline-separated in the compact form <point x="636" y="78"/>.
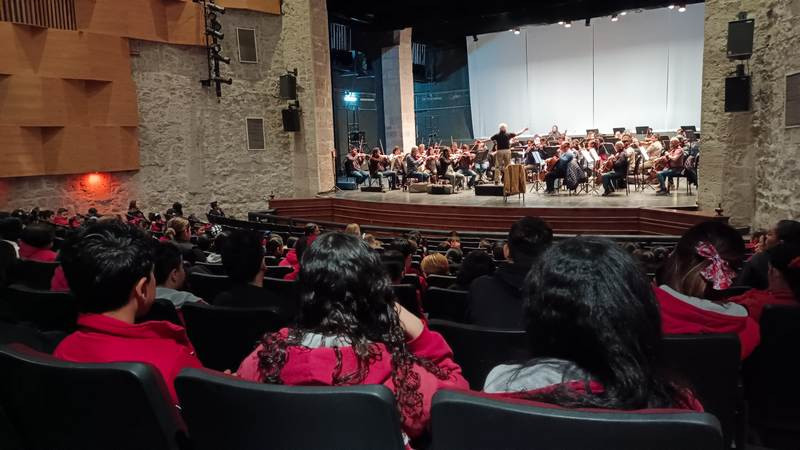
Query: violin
<point x="605" y="166"/>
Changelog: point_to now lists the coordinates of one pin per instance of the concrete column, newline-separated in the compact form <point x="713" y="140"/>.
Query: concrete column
<point x="398" y="92"/>
<point x="305" y="45"/>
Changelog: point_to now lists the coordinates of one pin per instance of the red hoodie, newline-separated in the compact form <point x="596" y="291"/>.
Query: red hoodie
<point x="755" y="300"/>
<point x="315" y="367"/>
<point x="102" y="339"/>
<point x="35" y="253"/>
<point x="681" y="314"/>
<point x="291" y="260"/>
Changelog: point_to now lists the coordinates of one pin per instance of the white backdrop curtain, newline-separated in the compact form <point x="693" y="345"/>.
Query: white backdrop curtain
<point x="643" y="70"/>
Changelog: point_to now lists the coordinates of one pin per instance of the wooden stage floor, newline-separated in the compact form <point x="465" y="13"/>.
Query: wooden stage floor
<point x="679" y="199"/>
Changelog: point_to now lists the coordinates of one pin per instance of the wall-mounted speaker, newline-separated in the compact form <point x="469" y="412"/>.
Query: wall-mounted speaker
<point x="291" y="119"/>
<point x="288" y="90"/>
<point x="740" y="38"/>
<point x="737" y="93"/>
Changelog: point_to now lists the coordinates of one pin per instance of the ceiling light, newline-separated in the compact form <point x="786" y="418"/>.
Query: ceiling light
<point x="561" y="22"/>
<point x="568" y="24"/>
<point x="614" y="18"/>
<point x="623" y="13"/>
<point x="681" y="8"/>
<point x="516" y="30"/>
<point x="671" y="6"/>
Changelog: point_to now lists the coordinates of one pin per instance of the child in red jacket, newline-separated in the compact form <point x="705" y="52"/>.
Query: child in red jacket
<point x="691" y="281"/>
<point x="783" y="278"/>
<point x="351" y="331"/>
<point x="593" y="335"/>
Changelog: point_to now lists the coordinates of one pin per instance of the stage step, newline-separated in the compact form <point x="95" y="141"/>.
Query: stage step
<point x="492" y="190"/>
<point x="372" y="189"/>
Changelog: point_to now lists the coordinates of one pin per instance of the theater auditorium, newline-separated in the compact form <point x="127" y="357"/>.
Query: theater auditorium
<point x="351" y="224"/>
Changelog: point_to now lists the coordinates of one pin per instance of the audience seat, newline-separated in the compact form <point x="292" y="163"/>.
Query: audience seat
<point x="709" y="363"/>
<point x="442" y="281"/>
<point x="162" y="309"/>
<point x="407" y="296"/>
<point x="212" y="269"/>
<point x="207" y="286"/>
<point x="774" y="403"/>
<point x="47" y="310"/>
<point x="466" y="421"/>
<point x="477" y="350"/>
<point x="278" y="271"/>
<point x="283" y="297"/>
<point x="55" y="404"/>
<point x="445" y="304"/>
<point x="412" y="279"/>
<point x="223" y="412"/>
<point x="33" y="274"/>
<point x="223" y="336"/>
<point x="271" y="260"/>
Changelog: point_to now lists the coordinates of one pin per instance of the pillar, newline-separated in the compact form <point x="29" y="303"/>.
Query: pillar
<point x="398" y="92"/>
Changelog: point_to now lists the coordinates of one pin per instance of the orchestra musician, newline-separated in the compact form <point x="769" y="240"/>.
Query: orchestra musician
<point x="481" y="163"/>
<point x="352" y="165"/>
<point x="654" y="150"/>
<point x="619" y="163"/>
<point x="379" y="167"/>
<point x="465" y="164"/>
<point x="555" y="135"/>
<point x="565" y="156"/>
<point x="446" y="169"/>
<point x="502" y="143"/>
<point x="414" y="161"/>
<point x="396" y="160"/>
<point x="674" y="159"/>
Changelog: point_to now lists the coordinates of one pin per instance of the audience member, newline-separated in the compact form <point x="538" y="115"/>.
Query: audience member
<point x="10" y="230"/>
<point x="275" y="246"/>
<point x="110" y="270"/>
<point x="496" y="300"/>
<point x="594" y="336"/>
<point x="180" y="234"/>
<point x="215" y="210"/>
<point x="311" y="229"/>
<point x="354" y="229"/>
<point x="350" y="331"/>
<point x="783" y="286"/>
<point x="454" y="256"/>
<point x="498" y="251"/>
<point x="372" y="242"/>
<point x="476" y="264"/>
<point x="394" y="263"/>
<point x="485" y="244"/>
<point x="36" y="242"/>
<point x="133" y="211"/>
<point x="62" y="217"/>
<point x="692" y="280"/>
<point x="755" y="272"/>
<point x="294" y="255"/>
<point x="243" y="260"/>
<point x="215" y="255"/>
<point x="435" y="264"/>
<point x="8" y="258"/>
<point x="171" y="275"/>
<point x="177" y="209"/>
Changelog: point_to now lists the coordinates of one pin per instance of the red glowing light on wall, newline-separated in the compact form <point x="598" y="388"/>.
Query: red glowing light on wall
<point x="94" y="179"/>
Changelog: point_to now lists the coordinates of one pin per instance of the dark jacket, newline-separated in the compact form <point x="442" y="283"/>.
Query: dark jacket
<point x="755" y="272"/>
<point x="244" y="296"/>
<point x="496" y="301"/>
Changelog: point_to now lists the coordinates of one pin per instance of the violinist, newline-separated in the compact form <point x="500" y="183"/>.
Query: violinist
<point x="465" y="166"/>
<point x="481" y="162"/>
<point x="352" y="165"/>
<point x="618" y="165"/>
<point x="527" y="157"/>
<point x="396" y="161"/>
<point x="446" y="170"/>
<point x="432" y="162"/>
<point x="414" y="162"/>
<point x="379" y="167"/>
<point x="559" y="169"/>
<point x="555" y="135"/>
<point x="674" y="159"/>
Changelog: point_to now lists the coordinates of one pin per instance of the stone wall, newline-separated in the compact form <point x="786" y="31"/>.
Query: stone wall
<point x="749" y="160"/>
<point x="193" y="146"/>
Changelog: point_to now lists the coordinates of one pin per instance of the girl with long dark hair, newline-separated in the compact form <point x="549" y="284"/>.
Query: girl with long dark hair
<point x="783" y="282"/>
<point x="594" y="336"/>
<point x="350" y="331"/>
<point x="692" y="281"/>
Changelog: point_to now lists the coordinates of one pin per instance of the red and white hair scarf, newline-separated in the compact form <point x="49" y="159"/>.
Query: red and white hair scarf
<point x="719" y="272"/>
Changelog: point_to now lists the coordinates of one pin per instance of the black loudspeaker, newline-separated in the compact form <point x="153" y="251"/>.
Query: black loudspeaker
<point x="737" y="94"/>
<point x="288" y="87"/>
<point x="291" y="119"/>
<point x="740" y="39"/>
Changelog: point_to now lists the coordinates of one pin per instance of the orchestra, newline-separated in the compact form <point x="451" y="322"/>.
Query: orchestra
<point x="546" y="157"/>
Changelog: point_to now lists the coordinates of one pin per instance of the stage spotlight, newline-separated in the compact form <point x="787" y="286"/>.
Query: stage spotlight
<point x="671" y="6"/>
<point x="681" y="8"/>
<point x="623" y="13"/>
<point x="516" y="31"/>
<point x="215" y="33"/>
<point x="350" y="97"/>
<point x="614" y="18"/>
<point x="220" y="58"/>
<point x="588" y="21"/>
<point x="561" y="22"/>
<point x="568" y="24"/>
<point x="215" y="8"/>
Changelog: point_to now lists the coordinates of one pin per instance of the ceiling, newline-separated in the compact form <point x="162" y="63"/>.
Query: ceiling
<point x="449" y="20"/>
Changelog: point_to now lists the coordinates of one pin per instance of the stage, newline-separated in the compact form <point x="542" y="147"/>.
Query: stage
<point x="636" y="214"/>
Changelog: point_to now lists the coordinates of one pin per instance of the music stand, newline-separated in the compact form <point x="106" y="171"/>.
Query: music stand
<point x="645" y="156"/>
<point x="594" y="154"/>
<point x="536" y="185"/>
<point x="592" y="130"/>
<point x="619" y="129"/>
<point x="688" y="127"/>
<point x="642" y="130"/>
<point x="690" y="135"/>
<point x="588" y="156"/>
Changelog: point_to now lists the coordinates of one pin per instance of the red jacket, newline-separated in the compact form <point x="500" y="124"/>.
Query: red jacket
<point x="755" y="300"/>
<point x="315" y="367"/>
<point x="291" y="260"/>
<point x="681" y="314"/>
<point x="35" y="253"/>
<point x="101" y="339"/>
<point x="59" y="280"/>
<point x="61" y="221"/>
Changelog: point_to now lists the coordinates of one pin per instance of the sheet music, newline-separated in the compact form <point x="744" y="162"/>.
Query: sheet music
<point x="537" y="158"/>
<point x="594" y="154"/>
<point x="645" y="157"/>
<point x="587" y="156"/>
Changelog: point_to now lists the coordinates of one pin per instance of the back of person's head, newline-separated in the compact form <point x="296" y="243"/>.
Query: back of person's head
<point x="292" y="241"/>
<point x="275" y="246"/>
<point x="394" y="263"/>
<point x="485" y="243"/>
<point x="353" y="228"/>
<point x="132" y="205"/>
<point x="788" y="231"/>
<point x="179" y="227"/>
<point x="177" y="209"/>
<point x="404" y="246"/>
<point x="311" y="228"/>
<point x="243" y="256"/>
<point x="204" y="242"/>
<point x="528" y="237"/>
<point x="785" y="260"/>
<point x="104" y="263"/>
<point x="10" y="228"/>
<point x="372" y="241"/>
<point x="415" y="236"/>
<point x="93" y="212"/>
<point x="454" y="255"/>
<point x="219" y="242"/>
<point x="497" y="251"/>
<point x="477" y="263"/>
<point x="435" y="264"/>
<point x="167" y="258"/>
<point x="705" y="260"/>
<point x="39" y="235"/>
<point x="606" y="323"/>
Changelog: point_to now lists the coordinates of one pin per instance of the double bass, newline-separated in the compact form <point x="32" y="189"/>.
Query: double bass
<point x="604" y="167"/>
<point x="549" y="166"/>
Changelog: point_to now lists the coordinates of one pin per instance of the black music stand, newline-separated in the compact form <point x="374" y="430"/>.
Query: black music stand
<point x="688" y="128"/>
<point x="643" y="130"/>
<point x="619" y="130"/>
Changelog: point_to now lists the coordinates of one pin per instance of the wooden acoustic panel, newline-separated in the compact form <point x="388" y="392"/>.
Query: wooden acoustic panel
<point x="22" y="151"/>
